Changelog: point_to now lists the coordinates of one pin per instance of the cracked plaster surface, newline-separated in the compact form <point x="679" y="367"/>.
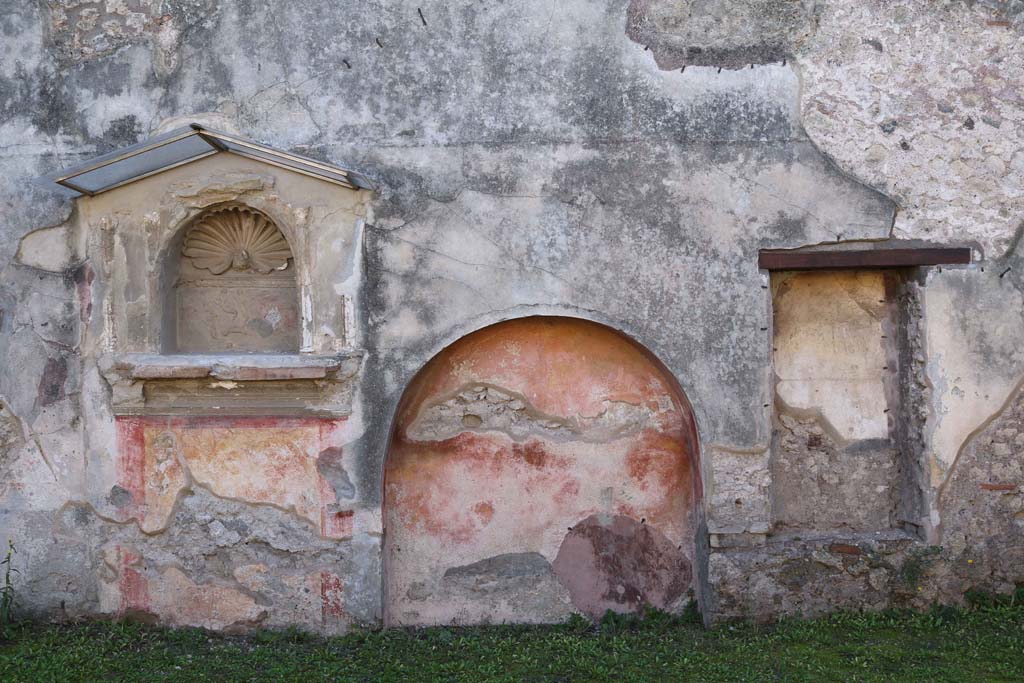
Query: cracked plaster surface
<point x="490" y="408"/>
<point x="923" y="101"/>
<point x="426" y="109"/>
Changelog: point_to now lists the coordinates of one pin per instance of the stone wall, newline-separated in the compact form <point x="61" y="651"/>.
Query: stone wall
<point x="617" y="162"/>
<point x="835" y="463"/>
<point x="818" y="484"/>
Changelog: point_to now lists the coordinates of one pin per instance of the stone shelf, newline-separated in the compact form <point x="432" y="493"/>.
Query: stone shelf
<point x="231" y="384"/>
<point x="239" y="367"/>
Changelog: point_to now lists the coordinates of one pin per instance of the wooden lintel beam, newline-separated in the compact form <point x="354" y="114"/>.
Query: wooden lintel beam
<point x="862" y="258"/>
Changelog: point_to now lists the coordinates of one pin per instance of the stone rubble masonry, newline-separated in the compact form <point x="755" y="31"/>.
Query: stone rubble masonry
<point x="923" y="101"/>
<point x="820" y="486"/>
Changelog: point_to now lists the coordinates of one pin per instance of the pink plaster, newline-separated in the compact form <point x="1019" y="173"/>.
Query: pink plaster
<point x="257" y="459"/>
<point x="483" y="493"/>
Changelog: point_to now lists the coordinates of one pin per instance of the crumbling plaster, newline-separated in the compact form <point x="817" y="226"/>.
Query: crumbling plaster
<point x="920" y="100"/>
<point x="830" y="349"/>
<point x="973" y="327"/>
<point x="599" y="487"/>
<point x="923" y="101"/>
<point x="531" y="159"/>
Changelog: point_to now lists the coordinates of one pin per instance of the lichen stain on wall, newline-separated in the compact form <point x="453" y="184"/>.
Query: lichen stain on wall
<point x="481" y="494"/>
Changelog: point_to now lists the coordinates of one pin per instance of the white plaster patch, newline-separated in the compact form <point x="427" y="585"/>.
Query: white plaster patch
<point x="47" y="249"/>
<point x="968" y="387"/>
<point x="829" y="354"/>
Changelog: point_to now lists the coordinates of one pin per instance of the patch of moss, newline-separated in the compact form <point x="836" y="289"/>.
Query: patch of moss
<point x="913" y="568"/>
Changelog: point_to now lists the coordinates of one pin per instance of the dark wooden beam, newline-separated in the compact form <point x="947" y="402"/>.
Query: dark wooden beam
<point x="862" y="258"/>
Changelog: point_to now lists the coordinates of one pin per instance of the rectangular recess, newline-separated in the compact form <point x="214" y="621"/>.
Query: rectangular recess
<point x="862" y="258"/>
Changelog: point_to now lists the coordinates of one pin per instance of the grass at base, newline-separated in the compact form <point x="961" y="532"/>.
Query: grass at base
<point x="984" y="644"/>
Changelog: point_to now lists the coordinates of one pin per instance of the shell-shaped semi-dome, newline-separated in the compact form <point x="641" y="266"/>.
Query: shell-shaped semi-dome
<point x="236" y="238"/>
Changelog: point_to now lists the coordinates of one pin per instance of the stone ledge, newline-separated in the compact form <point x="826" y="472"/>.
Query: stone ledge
<point x="736" y="540"/>
<point x="842" y="536"/>
<point x="839" y="541"/>
<point x="240" y="367"/>
<point x="230" y="384"/>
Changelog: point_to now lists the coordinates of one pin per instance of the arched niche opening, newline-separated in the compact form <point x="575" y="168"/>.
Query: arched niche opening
<point x="231" y="286"/>
<point x="539" y="467"/>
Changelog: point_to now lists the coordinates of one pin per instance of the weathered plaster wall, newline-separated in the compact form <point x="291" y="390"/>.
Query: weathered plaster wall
<point x="834" y="464"/>
<point x="918" y="100"/>
<point x="555" y="440"/>
<point x="982" y="507"/>
<point x="923" y="101"/>
<point x="532" y="158"/>
<point x="980" y="546"/>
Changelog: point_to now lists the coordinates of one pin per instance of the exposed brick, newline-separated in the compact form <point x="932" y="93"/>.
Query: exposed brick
<point x="844" y="549"/>
<point x="997" y="487"/>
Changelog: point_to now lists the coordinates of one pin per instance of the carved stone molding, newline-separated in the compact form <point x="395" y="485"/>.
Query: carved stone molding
<point x="232" y="384"/>
<point x="236" y="238"/>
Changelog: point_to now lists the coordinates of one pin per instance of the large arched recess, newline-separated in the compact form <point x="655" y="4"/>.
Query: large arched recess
<point x="538" y="467"/>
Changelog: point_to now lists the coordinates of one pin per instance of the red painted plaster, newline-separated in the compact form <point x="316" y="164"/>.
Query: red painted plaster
<point x="484" y="493"/>
<point x="257" y="458"/>
<point x="331" y="596"/>
<point x="335" y="524"/>
<point x="133" y="586"/>
<point x="131" y="462"/>
<point x="83" y="289"/>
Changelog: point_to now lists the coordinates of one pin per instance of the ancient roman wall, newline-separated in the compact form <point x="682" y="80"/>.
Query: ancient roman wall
<point x="619" y="163"/>
<point x="540" y="467"/>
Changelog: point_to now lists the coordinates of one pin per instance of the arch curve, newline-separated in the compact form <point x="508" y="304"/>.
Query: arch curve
<point x="230" y="284"/>
<point x="537" y="467"/>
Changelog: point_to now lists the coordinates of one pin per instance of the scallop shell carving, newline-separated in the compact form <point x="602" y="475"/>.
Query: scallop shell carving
<point x="236" y="239"/>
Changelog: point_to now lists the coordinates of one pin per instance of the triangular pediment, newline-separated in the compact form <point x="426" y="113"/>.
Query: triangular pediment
<point x="183" y="146"/>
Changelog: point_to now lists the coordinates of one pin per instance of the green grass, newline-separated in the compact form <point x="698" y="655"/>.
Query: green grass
<point x="983" y="644"/>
